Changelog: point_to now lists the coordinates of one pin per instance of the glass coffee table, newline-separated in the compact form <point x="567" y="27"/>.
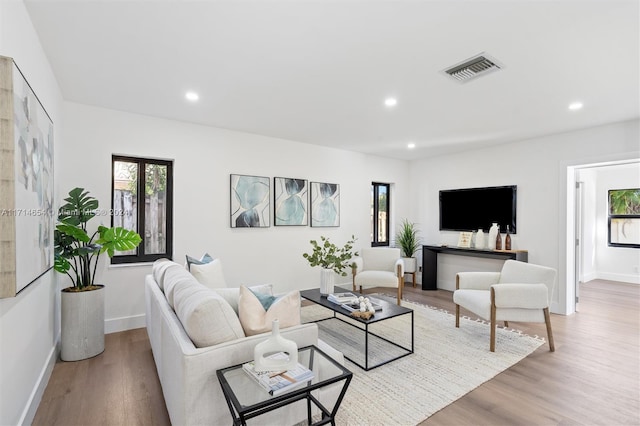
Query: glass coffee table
<point x="387" y="350"/>
<point x="247" y="399"/>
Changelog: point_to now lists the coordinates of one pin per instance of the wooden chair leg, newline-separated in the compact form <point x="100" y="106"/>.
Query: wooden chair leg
<point x="414" y="280"/>
<point x="399" y="295"/>
<point x="457" y="316"/>
<point x="492" y="343"/>
<point x="547" y="320"/>
<point x="506" y="323"/>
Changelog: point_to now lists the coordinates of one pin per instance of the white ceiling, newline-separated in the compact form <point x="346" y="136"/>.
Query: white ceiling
<point x="318" y="71"/>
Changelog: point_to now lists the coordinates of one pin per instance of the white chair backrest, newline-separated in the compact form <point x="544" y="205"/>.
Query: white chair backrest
<point x="379" y="258"/>
<point x="528" y="273"/>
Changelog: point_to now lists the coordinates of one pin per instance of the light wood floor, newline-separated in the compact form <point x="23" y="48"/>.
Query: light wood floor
<point x="592" y="378"/>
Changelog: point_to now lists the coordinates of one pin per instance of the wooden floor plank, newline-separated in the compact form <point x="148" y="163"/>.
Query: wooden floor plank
<point x="593" y="378"/>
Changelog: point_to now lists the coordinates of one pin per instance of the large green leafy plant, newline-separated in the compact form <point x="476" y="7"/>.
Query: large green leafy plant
<point x="329" y="256"/>
<point x="76" y="252"/>
<point x="407" y="238"/>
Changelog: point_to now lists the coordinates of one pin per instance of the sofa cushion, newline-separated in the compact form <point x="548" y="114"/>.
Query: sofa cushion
<point x="174" y="276"/>
<point x="209" y="274"/>
<point x="207" y="318"/>
<point x="160" y="266"/>
<point x="255" y="319"/>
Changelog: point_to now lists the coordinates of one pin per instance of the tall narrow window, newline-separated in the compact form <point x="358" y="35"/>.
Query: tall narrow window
<point x="624" y="218"/>
<point x="380" y="194"/>
<point x="142" y="201"/>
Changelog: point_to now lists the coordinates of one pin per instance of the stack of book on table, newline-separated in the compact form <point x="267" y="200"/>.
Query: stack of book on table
<point x="277" y="382"/>
<point x="342" y="298"/>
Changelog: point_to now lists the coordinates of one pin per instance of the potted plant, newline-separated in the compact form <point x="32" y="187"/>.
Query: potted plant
<point x="76" y="254"/>
<point x="332" y="259"/>
<point x="407" y="239"/>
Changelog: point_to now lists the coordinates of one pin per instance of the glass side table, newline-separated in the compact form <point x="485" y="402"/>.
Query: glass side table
<point x="247" y="399"/>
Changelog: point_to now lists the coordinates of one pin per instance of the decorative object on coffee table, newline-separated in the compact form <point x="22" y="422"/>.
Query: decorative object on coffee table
<point x="332" y="259"/>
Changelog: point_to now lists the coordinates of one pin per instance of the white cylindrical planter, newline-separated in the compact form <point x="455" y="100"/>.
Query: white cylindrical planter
<point x="82" y="327"/>
<point x="327" y="277"/>
<point x="410" y="265"/>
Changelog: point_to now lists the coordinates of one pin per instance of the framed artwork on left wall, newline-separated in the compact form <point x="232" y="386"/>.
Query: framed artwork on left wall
<point x="26" y="183"/>
<point x="250" y="201"/>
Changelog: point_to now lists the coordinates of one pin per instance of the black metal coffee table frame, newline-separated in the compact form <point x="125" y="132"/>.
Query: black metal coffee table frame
<point x="389" y="310"/>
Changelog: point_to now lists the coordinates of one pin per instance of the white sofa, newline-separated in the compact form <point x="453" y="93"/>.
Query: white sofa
<point x="187" y="373"/>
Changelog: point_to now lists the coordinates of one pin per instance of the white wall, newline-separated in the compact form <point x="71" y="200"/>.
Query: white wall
<point x="29" y="323"/>
<point x="204" y="157"/>
<point x="539" y="168"/>
<point x="614" y="263"/>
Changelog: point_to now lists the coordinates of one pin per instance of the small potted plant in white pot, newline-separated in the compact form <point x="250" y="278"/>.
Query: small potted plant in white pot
<point x="332" y="259"/>
<point x="76" y="254"/>
<point x="409" y="243"/>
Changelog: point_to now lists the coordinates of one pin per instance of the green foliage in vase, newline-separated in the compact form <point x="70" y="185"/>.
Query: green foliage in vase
<point x="329" y="256"/>
<point x="407" y="238"/>
<point x="76" y="252"/>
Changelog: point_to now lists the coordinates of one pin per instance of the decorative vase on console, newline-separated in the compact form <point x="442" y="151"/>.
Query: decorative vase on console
<point x="480" y="239"/>
<point x="493" y="234"/>
<point x="327" y="277"/>
<point x="499" y="241"/>
<point x="507" y="240"/>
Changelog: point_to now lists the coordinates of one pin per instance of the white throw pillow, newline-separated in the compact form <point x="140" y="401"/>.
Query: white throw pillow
<point x="209" y="274"/>
<point x="256" y="320"/>
<point x="206" y="317"/>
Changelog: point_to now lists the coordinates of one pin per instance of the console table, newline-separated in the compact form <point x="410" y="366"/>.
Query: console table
<point x="430" y="260"/>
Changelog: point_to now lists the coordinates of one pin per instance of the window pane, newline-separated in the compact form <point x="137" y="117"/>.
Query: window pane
<point x="155" y="209"/>
<point x="125" y="212"/>
<point x="625" y="231"/>
<point x="382" y="214"/>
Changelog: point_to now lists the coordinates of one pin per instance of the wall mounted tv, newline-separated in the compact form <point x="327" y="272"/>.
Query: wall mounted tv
<point x="471" y="209"/>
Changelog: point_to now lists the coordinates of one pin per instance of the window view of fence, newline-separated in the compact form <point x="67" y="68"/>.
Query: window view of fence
<point x="143" y="184"/>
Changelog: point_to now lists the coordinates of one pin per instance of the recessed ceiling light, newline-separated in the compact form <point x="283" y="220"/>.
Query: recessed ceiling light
<point x="390" y="102"/>
<point x="574" y="106"/>
<point x="411" y="145"/>
<point x="192" y="96"/>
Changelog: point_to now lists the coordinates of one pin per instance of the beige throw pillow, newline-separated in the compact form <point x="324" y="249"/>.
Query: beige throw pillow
<point x="256" y="320"/>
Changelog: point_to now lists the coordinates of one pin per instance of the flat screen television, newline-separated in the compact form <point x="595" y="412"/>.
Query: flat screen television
<point x="471" y="209"/>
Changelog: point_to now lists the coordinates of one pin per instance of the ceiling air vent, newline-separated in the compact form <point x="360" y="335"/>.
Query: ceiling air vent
<point x="472" y="68"/>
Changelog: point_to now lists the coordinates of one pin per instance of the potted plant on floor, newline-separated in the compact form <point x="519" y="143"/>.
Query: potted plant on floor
<point x="409" y="243"/>
<point x="332" y="259"/>
<point x="76" y="255"/>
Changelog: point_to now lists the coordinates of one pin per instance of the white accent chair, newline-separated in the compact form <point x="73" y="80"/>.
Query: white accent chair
<point x="379" y="267"/>
<point x="520" y="292"/>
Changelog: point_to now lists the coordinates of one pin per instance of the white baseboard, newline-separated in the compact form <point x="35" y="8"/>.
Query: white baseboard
<point x="35" y="398"/>
<point x="115" y="325"/>
<point x="625" y="278"/>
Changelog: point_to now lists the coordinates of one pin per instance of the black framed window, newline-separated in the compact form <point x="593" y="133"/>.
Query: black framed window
<point x="380" y="197"/>
<point x="624" y="218"/>
<point x="142" y="200"/>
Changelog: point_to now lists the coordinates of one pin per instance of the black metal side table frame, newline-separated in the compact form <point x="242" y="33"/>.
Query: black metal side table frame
<point x="240" y="414"/>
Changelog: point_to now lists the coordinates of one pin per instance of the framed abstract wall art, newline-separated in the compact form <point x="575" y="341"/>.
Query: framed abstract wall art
<point x="325" y="204"/>
<point x="250" y="206"/>
<point x="26" y="183"/>
<point x="291" y="200"/>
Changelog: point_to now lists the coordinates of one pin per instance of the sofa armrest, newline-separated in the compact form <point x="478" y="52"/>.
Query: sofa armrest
<point x="523" y="296"/>
<point x="476" y="280"/>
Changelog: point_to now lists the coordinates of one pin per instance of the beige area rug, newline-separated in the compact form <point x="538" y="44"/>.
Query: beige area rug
<point x="447" y="363"/>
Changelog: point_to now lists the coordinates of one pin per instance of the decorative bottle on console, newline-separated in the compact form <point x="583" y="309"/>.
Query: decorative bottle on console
<point x="480" y="239"/>
<point x="493" y="232"/>
<point x="499" y="241"/>
<point x="507" y="240"/>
